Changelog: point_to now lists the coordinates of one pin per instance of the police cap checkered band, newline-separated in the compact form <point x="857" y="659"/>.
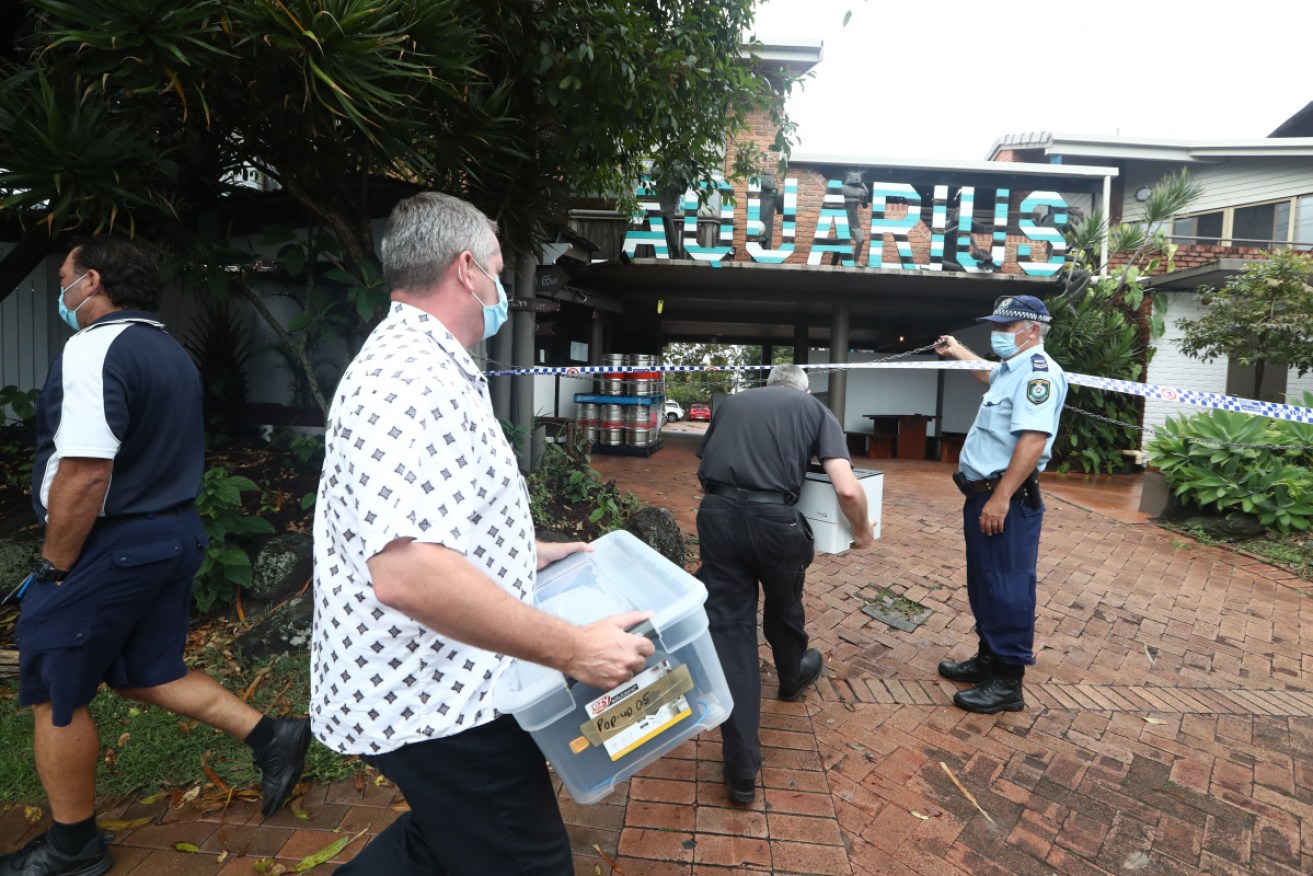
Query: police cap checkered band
<point x="1011" y="308"/>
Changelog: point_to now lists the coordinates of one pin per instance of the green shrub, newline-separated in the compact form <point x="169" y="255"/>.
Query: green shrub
<point x="22" y="404"/>
<point x="1223" y="461"/>
<point x="565" y="484"/>
<point x="226" y="565"/>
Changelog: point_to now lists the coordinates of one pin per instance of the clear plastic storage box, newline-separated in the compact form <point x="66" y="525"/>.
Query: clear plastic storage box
<point x="595" y="738"/>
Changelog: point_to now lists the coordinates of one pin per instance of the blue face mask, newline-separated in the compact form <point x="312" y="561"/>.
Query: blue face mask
<point x="1004" y="344"/>
<point x="494" y="315"/>
<point x="71" y="316"/>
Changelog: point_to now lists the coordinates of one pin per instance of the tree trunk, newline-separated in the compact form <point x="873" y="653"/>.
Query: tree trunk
<point x="1259" y="367"/>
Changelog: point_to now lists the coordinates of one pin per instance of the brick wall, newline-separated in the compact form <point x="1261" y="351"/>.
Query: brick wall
<point x="1191" y="255"/>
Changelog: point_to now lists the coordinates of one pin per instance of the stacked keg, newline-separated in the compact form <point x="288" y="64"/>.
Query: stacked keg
<point x="588" y="421"/>
<point x="628" y="425"/>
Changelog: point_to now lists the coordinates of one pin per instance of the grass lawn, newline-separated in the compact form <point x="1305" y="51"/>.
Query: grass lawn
<point x="145" y="749"/>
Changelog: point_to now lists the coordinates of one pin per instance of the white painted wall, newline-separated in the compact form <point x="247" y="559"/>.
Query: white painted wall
<point x="1171" y="367"/>
<point x="1232" y="182"/>
<point x="1295" y="385"/>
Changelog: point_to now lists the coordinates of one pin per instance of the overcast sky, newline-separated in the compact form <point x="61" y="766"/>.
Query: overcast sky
<point x="945" y="79"/>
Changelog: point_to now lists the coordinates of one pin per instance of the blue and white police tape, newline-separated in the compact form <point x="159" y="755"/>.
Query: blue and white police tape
<point x="1195" y="397"/>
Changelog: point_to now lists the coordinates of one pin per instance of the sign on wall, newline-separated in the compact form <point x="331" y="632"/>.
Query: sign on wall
<point x="897" y="210"/>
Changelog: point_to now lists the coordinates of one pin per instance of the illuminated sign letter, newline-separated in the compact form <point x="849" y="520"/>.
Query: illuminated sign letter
<point x="1054" y="216"/>
<point x="833" y="216"/>
<point x="646" y="227"/>
<point x="899" y="228"/>
<point x="720" y="207"/>
<point x="788" y="220"/>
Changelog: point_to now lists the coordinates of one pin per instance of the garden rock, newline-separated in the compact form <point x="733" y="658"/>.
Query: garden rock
<point x="282" y="566"/>
<point x="1236" y="526"/>
<point x="285" y="630"/>
<point x="658" y="529"/>
<point x="17" y="554"/>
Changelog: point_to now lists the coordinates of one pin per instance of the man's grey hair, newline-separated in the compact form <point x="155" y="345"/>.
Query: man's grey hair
<point x="789" y="375"/>
<point x="424" y="235"/>
<point x="1043" y="327"/>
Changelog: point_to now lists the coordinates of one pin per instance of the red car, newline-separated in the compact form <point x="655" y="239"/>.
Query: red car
<point x="699" y="412"/>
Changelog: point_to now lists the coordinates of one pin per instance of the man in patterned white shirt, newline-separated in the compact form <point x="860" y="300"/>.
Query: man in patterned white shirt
<point x="425" y="560"/>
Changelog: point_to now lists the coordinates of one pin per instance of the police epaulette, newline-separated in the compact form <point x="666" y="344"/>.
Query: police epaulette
<point x="1039" y="363"/>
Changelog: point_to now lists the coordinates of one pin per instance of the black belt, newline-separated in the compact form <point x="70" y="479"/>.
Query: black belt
<point x="759" y="497"/>
<point x="114" y="519"/>
<point x="984" y="485"/>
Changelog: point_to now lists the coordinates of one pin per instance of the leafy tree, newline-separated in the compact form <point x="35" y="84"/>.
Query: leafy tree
<point x="1104" y="325"/>
<point x="1262" y="316"/>
<point x="699" y="386"/>
<point x="172" y="118"/>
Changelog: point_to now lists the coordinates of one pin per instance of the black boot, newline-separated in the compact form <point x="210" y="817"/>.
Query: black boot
<point x="40" y="858"/>
<point x="1001" y="692"/>
<point x="282" y="760"/>
<point x="974" y="669"/>
<point x="809" y="669"/>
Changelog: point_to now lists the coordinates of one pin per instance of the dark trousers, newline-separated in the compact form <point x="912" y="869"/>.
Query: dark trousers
<point x="481" y="802"/>
<point x="1001" y="578"/>
<point x="743" y="544"/>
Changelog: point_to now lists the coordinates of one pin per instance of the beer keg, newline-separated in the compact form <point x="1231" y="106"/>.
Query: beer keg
<point x="611" y="430"/>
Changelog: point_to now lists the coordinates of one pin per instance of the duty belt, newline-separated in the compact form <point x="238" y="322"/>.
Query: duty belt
<point x="968" y="487"/>
<point x="759" y="497"/>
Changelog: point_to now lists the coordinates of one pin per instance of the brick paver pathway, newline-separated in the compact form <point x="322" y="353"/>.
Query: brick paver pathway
<point x="1169" y="727"/>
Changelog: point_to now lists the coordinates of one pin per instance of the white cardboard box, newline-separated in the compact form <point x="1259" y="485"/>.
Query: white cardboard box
<point x="820" y="506"/>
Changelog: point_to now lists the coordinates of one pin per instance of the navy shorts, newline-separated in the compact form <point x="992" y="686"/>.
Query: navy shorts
<point x="119" y="617"/>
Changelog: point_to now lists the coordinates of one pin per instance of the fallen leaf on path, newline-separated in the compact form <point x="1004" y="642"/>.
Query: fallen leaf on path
<point x="153" y="798"/>
<point x="966" y="793"/>
<point x="328" y="852"/>
<point x="1149" y="720"/>
<point x="31" y="814"/>
<point x="295" y="806"/>
<point x="400" y="806"/>
<point x="269" y="867"/>
<point x="186" y="847"/>
<point x="117" y="824"/>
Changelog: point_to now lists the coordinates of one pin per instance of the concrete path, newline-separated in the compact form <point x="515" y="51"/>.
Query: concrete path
<point x="1169" y="727"/>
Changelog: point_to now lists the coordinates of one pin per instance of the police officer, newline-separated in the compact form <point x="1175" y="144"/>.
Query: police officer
<point x="754" y="461"/>
<point x="1008" y="445"/>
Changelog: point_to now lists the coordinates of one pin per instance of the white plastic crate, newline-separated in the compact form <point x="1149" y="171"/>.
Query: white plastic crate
<point x="820" y="506"/>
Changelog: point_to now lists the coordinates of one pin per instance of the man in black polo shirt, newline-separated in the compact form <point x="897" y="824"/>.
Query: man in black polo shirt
<point x="120" y="448"/>
<point x="754" y="462"/>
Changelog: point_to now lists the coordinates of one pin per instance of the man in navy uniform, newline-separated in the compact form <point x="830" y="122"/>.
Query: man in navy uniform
<point x="1008" y="445"/>
<point x="120" y="449"/>
<point x="754" y="461"/>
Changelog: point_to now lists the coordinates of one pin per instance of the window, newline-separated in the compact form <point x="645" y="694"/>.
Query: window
<point x="1275" y="224"/>
<point x="1205" y="229"/>
<point x="1304" y="225"/>
<point x="1256" y="225"/>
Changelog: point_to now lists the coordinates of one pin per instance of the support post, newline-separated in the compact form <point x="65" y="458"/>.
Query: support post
<point x="839" y="356"/>
<point x="522" y="355"/>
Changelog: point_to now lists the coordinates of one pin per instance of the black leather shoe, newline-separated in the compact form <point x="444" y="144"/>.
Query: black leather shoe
<point x="282" y="761"/>
<point x="995" y="694"/>
<point x="740" y="790"/>
<point x="974" y="669"/>
<point x="809" y="669"/>
<point x="40" y="858"/>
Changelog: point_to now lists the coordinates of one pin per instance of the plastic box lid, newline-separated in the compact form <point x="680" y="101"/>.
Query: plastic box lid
<point x="620" y="574"/>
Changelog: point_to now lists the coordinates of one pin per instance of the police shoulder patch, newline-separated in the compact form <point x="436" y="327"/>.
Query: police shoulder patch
<point x="1037" y="391"/>
<point x="1039" y="363"/>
